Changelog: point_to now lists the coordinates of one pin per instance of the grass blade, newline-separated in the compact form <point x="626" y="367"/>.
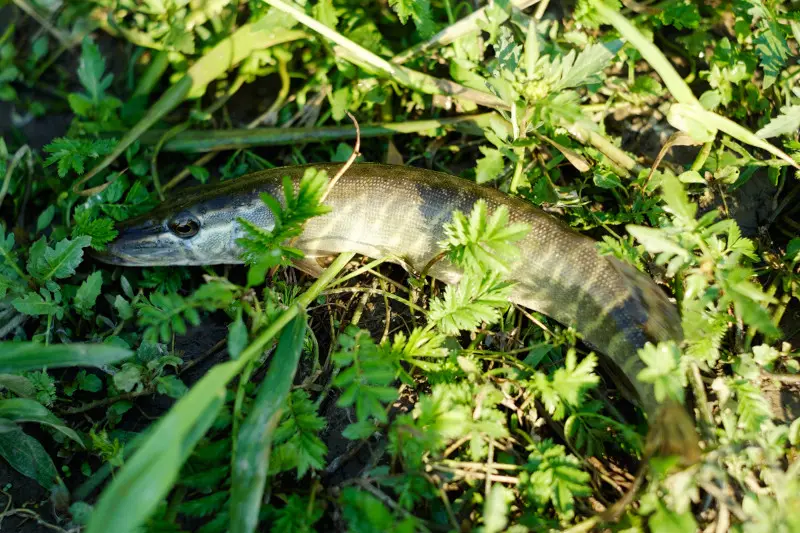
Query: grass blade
<point x="237" y="138"/>
<point x="27" y="456"/>
<point x="18" y="357"/>
<point x="24" y="410"/>
<point x="251" y="463"/>
<point x="225" y="55"/>
<point x="151" y="472"/>
<point x="688" y="106"/>
<point x="367" y="60"/>
<point x="650" y="52"/>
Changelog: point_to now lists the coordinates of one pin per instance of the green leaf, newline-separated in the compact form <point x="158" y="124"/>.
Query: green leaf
<point x="59" y="262"/>
<point x="470" y="302"/>
<point x="364" y="375"/>
<point x="490" y="166"/>
<point x="298" y="515"/>
<point x="88" y="292"/>
<point x="297" y="444"/>
<point x="18" y="357"/>
<point x="772" y="49"/>
<point x="264" y="247"/>
<point x="340" y="102"/>
<point x="251" y="463"/>
<point x="419" y="11"/>
<point x="663" y="370"/>
<point x="656" y="241"/>
<point x="128" y="378"/>
<point x="28" y="457"/>
<point x="677" y="200"/>
<point x="553" y="476"/>
<point x="495" y="509"/>
<point x="24" y="410"/>
<point x="606" y="178"/>
<point x="45" y="218"/>
<point x="483" y="243"/>
<point x="680" y="15"/>
<point x="123" y="307"/>
<point x="19" y="385"/>
<point x="89" y="382"/>
<point x="584" y="68"/>
<point x="91" y="69"/>
<point x="237" y="337"/>
<point x="71" y="154"/>
<point x="34" y="304"/>
<point x="172" y="386"/>
<point x="665" y="520"/>
<point x="574" y="379"/>
<point x="101" y="230"/>
<point x="787" y="123"/>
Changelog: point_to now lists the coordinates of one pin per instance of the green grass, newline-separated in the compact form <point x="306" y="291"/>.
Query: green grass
<point x="369" y="400"/>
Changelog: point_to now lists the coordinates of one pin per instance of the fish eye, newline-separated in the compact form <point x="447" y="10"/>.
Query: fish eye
<point x="184" y="226"/>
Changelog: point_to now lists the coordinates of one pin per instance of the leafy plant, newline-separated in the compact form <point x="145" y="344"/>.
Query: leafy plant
<point x="203" y="402"/>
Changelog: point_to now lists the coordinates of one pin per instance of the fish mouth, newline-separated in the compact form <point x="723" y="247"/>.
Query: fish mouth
<point x="139" y="256"/>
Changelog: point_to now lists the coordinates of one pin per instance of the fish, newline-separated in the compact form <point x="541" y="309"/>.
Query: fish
<point x="399" y="212"/>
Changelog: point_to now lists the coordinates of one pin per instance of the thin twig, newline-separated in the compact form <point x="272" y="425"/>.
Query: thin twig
<point x="469" y="474"/>
<point x="65" y="40"/>
<point x="107" y="401"/>
<point x="348" y="163"/>
<point x="25" y="149"/>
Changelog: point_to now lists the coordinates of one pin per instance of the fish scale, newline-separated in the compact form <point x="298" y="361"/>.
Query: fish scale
<point x="397" y="211"/>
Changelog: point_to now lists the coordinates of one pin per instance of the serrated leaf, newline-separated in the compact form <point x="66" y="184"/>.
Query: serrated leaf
<point x="663" y="370"/>
<point x="482" y="242"/>
<point x="265" y="248"/>
<point x="45" y="263"/>
<point x="786" y="123"/>
<point x="34" y="304"/>
<point x="772" y="49"/>
<point x="87" y="293"/>
<point x="419" y="11"/>
<point x="364" y="376"/>
<point x="101" y="230"/>
<point x="490" y="166"/>
<point x="468" y="303"/>
<point x="584" y="68"/>
<point x="91" y="69"/>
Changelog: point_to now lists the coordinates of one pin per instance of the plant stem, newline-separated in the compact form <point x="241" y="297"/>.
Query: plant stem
<point x="212" y="65"/>
<point x="702" y="156"/>
<point x="158" y="65"/>
<point x="210" y="141"/>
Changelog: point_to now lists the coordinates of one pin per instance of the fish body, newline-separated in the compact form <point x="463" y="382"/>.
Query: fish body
<point x="397" y="211"/>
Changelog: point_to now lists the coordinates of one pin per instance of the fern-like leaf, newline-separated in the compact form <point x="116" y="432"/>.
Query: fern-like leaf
<point x="482" y="242"/>
<point x="472" y="301"/>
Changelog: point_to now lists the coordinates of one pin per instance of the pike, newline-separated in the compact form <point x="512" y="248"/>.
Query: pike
<point x="390" y="211"/>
